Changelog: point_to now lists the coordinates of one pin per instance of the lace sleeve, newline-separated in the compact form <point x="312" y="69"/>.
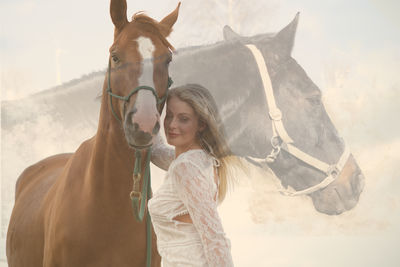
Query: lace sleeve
<point x="197" y="193"/>
<point x="161" y="155"/>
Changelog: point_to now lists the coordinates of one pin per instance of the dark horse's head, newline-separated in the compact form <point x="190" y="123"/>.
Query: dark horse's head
<point x="137" y="90"/>
<point x="307" y="153"/>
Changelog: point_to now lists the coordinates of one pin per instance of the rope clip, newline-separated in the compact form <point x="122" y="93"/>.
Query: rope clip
<point x="136" y="194"/>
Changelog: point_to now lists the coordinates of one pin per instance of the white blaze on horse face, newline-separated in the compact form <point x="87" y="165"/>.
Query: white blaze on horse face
<point x="146" y="47"/>
<point x="146" y="50"/>
<point x="146" y="114"/>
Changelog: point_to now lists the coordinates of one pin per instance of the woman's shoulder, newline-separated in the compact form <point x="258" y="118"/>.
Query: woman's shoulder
<point x="195" y="163"/>
<point x="196" y="157"/>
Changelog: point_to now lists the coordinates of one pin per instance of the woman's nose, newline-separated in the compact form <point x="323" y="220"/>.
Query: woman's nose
<point x="173" y="124"/>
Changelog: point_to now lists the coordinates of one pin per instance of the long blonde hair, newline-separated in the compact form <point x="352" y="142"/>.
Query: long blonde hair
<point x="212" y="138"/>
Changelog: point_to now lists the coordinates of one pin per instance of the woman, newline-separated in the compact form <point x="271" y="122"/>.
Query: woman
<point x="184" y="209"/>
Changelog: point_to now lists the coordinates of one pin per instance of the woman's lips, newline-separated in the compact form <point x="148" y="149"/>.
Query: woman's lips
<point x="172" y="135"/>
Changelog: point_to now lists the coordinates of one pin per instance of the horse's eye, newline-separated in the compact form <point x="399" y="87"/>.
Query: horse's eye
<point x="314" y="100"/>
<point x="115" y="59"/>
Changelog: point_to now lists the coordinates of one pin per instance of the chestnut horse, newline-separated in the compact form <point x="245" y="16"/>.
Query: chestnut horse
<point x="74" y="209"/>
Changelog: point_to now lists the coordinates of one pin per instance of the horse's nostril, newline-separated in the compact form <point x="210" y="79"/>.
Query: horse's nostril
<point x="130" y="120"/>
<point x="129" y="117"/>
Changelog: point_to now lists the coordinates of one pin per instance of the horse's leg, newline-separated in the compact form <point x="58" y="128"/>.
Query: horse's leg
<point x="25" y="237"/>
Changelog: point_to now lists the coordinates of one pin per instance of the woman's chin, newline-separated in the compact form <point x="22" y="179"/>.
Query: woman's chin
<point x="171" y="141"/>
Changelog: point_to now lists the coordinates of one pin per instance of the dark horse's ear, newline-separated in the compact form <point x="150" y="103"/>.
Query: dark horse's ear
<point x="229" y="34"/>
<point x="118" y="15"/>
<point x="285" y="38"/>
<point x="169" y="21"/>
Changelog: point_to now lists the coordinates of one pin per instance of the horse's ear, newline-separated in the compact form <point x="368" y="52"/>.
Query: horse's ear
<point x="118" y="14"/>
<point x="169" y="21"/>
<point x="229" y="34"/>
<point x="285" y="38"/>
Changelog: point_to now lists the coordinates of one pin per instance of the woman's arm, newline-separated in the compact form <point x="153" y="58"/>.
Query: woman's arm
<point x="197" y="193"/>
<point x="161" y="154"/>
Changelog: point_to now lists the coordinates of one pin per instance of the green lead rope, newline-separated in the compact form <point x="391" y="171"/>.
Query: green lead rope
<point x="143" y="197"/>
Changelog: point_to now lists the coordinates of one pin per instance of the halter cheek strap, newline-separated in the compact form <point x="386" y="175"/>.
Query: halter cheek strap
<point x="281" y="139"/>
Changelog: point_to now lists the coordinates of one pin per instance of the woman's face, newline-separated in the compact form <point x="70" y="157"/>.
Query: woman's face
<point x="181" y="124"/>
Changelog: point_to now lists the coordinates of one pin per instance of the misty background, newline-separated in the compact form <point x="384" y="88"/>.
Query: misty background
<point x="351" y="50"/>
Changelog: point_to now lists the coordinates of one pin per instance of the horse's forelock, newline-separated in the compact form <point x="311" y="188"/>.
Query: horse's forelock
<point x="153" y="26"/>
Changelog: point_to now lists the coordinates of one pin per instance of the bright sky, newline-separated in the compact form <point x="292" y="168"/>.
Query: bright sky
<point x="44" y="43"/>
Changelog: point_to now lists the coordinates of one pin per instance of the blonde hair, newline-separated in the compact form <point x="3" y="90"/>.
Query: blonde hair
<point x="212" y="138"/>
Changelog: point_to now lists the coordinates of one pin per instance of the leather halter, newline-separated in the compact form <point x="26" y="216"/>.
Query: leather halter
<point x="281" y="139"/>
<point x="160" y="101"/>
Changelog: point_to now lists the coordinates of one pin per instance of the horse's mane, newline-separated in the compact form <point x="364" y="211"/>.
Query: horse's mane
<point x="153" y="26"/>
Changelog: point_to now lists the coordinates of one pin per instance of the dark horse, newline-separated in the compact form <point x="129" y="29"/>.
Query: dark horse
<point x="74" y="209"/>
<point x="308" y="155"/>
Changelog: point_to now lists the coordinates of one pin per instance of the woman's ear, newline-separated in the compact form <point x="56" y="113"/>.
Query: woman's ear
<point x="202" y="126"/>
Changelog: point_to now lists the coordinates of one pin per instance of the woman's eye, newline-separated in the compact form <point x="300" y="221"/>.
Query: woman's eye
<point x="184" y="119"/>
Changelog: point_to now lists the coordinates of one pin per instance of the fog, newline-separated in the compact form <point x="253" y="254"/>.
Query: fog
<point x="350" y="50"/>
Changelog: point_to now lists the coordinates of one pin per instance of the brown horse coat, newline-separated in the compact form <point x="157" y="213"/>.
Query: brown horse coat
<point x="74" y="209"/>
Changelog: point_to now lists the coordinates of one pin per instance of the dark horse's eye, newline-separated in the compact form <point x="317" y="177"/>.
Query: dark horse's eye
<point x="314" y="100"/>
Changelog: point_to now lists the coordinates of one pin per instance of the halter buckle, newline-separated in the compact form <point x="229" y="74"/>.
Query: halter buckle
<point x="136" y="194"/>
<point x="275" y="114"/>
<point x="333" y="171"/>
<point x="276" y="148"/>
<point x="276" y="141"/>
<point x="136" y="177"/>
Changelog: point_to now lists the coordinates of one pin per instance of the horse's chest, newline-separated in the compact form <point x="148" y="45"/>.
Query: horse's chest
<point x="97" y="240"/>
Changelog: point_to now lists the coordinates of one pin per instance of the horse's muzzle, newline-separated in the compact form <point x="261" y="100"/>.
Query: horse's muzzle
<point x="139" y="135"/>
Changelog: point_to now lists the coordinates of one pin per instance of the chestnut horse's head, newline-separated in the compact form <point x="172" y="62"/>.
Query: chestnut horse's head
<point x="137" y="92"/>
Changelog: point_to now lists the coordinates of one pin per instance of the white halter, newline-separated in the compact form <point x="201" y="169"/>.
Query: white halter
<point x="279" y="131"/>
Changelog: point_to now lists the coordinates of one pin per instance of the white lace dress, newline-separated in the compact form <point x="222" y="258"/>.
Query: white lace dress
<point x="189" y="187"/>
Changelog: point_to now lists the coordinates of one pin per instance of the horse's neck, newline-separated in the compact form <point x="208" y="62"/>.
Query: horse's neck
<point x="112" y="159"/>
